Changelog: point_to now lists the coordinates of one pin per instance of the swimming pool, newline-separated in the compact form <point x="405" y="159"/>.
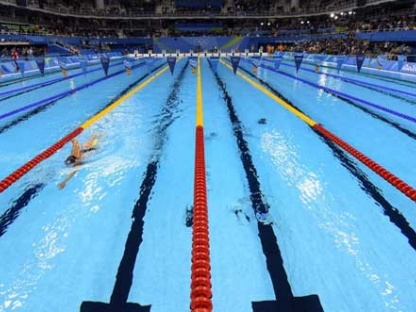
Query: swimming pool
<point x="275" y="187"/>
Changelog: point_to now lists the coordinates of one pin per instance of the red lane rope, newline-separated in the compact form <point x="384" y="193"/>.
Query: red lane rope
<point x="385" y="174"/>
<point x="201" y="268"/>
<point x="16" y="175"/>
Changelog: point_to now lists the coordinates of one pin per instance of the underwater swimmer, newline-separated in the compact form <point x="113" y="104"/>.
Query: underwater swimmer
<point x="77" y="156"/>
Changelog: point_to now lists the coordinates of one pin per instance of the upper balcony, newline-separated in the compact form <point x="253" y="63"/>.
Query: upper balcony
<point x="276" y="12"/>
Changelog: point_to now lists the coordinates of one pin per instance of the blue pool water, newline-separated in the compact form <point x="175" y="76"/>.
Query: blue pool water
<point x="344" y="233"/>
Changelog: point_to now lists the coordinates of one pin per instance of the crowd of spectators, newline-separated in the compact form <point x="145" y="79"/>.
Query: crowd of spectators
<point x="112" y="8"/>
<point x="61" y="25"/>
<point x="43" y="24"/>
<point x="150" y="7"/>
<point x="304" y="27"/>
<point x="387" y="23"/>
<point x="241" y="7"/>
<point x="345" y="45"/>
<point x="26" y="52"/>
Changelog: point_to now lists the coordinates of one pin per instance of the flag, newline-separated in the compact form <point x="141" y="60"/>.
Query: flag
<point x="105" y="62"/>
<point x="298" y="60"/>
<point x="360" y="57"/>
<point x="235" y="60"/>
<point x="171" y="62"/>
<point x="213" y="61"/>
<point x="41" y="65"/>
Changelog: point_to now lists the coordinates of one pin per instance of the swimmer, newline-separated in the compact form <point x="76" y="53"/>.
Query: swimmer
<point x="262" y="121"/>
<point x="77" y="155"/>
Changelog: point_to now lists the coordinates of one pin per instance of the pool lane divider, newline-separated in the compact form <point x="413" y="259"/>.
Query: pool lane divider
<point x="63" y="94"/>
<point x="351" y="80"/>
<point x="40" y="109"/>
<point x="384" y="173"/>
<point x="389" y="210"/>
<point x="36" y="76"/>
<point x="16" y="175"/>
<point x="366" y="184"/>
<point x="365" y="109"/>
<point x="353" y="69"/>
<point x="49" y="82"/>
<point x="20" y="172"/>
<point x="201" y="294"/>
<point x="284" y="301"/>
<point x="41" y="84"/>
<point x="341" y="94"/>
<point x="398" y="183"/>
<point x="12" y="213"/>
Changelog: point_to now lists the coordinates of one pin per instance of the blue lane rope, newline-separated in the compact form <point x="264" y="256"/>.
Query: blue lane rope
<point x="63" y="94"/>
<point x="49" y="82"/>
<point x="38" y="103"/>
<point x="354" y="80"/>
<point x="31" y="86"/>
<point x="393" y="112"/>
<point x="403" y="82"/>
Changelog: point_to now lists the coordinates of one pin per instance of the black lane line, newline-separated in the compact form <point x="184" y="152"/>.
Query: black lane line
<point x="390" y="211"/>
<point x="391" y="123"/>
<point x="285" y="299"/>
<point x="23" y="200"/>
<point x="357" y="83"/>
<point x="124" y="277"/>
<point x="43" y="108"/>
<point x="48" y="83"/>
<point x="11" y="214"/>
<point x="366" y="185"/>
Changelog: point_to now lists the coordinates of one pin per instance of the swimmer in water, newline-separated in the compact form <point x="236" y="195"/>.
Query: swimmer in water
<point x="77" y="156"/>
